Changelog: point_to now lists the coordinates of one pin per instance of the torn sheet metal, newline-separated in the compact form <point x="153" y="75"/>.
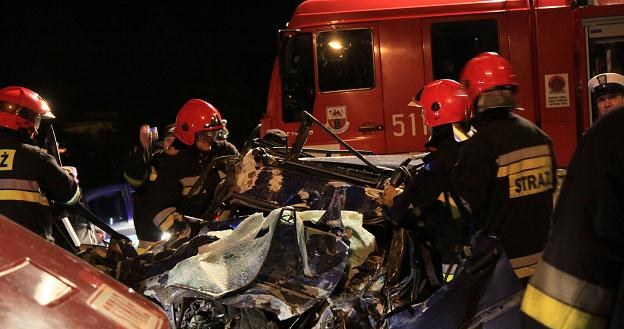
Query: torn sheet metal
<point x="246" y="173"/>
<point x="361" y="242"/>
<point x="306" y="190"/>
<point x="285" y="185"/>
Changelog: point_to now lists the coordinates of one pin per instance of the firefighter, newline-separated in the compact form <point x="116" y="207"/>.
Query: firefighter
<point x="200" y="137"/>
<point x="608" y="91"/>
<point x="140" y="163"/>
<point x="29" y="177"/>
<point x="580" y="281"/>
<point x="140" y="170"/>
<point x="444" y="105"/>
<point x="505" y="173"/>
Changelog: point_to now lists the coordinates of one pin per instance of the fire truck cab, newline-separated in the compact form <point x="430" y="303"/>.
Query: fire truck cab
<point x="356" y="64"/>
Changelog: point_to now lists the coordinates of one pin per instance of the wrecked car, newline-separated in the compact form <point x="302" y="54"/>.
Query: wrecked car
<point x="294" y="241"/>
<point x="291" y="241"/>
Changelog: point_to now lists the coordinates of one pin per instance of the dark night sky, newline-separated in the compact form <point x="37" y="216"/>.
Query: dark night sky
<point x="130" y="63"/>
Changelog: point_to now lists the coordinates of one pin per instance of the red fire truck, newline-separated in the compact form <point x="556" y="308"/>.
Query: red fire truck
<point x="355" y="64"/>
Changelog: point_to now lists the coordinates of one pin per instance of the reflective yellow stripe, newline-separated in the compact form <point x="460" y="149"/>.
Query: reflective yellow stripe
<point x="451" y="202"/>
<point x="166" y="224"/>
<point x="459" y="134"/>
<point x="526" y="260"/>
<point x="16" y="195"/>
<point x="153" y="174"/>
<point x="162" y="215"/>
<point x="453" y="206"/>
<point x="525" y="266"/>
<point x="524" y="272"/>
<point x="75" y="197"/>
<point x="19" y="184"/>
<point x="571" y="290"/>
<point x="525" y="153"/>
<point x="144" y="246"/>
<point x="526" y="164"/>
<point x="189" y="181"/>
<point x="140" y="250"/>
<point x="132" y="181"/>
<point x="555" y="314"/>
<point x="187" y="184"/>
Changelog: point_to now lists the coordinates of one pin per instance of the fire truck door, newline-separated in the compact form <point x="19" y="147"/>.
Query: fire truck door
<point x="402" y="63"/>
<point x="348" y="92"/>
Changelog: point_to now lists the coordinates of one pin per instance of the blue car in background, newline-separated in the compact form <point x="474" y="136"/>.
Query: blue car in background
<point x="114" y="205"/>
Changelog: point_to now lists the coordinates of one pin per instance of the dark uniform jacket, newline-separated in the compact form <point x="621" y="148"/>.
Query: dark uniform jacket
<point x="135" y="167"/>
<point x="138" y="169"/>
<point x="580" y="282"/>
<point x="505" y="174"/>
<point x="428" y="190"/>
<point x="175" y="177"/>
<point x="29" y="179"/>
<point x="141" y="175"/>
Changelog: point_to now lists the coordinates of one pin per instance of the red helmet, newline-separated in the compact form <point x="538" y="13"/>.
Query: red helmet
<point x="443" y="101"/>
<point x="195" y="116"/>
<point x="22" y="108"/>
<point x="486" y="71"/>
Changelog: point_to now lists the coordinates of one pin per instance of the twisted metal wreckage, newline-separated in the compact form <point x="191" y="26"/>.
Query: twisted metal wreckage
<point x="310" y="250"/>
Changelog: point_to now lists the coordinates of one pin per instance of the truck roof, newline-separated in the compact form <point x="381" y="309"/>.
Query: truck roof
<point x="324" y="12"/>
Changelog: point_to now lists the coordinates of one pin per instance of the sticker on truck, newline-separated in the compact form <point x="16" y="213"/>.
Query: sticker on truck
<point x="121" y="309"/>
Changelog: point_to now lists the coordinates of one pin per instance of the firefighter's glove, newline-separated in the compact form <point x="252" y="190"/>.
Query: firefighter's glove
<point x="72" y="172"/>
<point x="388" y="195"/>
<point x="147" y="136"/>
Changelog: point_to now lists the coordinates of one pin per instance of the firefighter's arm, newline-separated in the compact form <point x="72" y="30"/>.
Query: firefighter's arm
<point x="222" y="148"/>
<point x="136" y="164"/>
<point x="472" y="174"/>
<point x="424" y="187"/>
<point x="135" y="169"/>
<point x="59" y="185"/>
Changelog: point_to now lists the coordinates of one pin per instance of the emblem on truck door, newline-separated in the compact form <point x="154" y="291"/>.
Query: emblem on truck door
<point x="337" y="119"/>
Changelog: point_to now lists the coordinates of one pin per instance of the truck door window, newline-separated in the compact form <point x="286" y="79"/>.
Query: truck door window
<point x="297" y="77"/>
<point x="345" y="60"/>
<point x="454" y="43"/>
<point x="606" y="49"/>
<point x="606" y="56"/>
<point x="605" y="53"/>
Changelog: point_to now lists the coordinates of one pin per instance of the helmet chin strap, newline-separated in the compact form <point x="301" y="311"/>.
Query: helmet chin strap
<point x="30" y="132"/>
